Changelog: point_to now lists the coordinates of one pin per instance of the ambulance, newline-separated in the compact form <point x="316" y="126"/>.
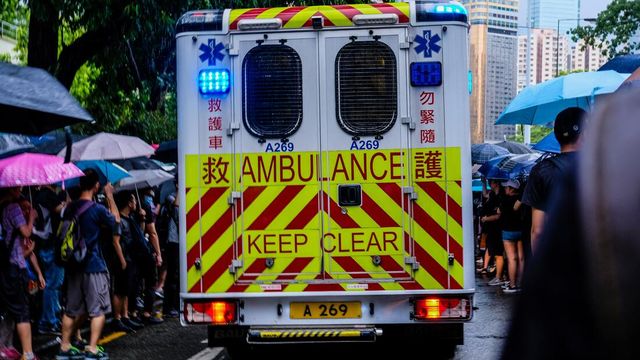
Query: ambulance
<point x="324" y="178"/>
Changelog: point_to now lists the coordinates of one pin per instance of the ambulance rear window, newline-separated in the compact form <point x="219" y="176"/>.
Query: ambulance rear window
<point x="366" y="88"/>
<point x="272" y="91"/>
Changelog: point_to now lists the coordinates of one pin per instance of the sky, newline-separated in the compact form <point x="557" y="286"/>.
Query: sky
<point x="589" y="9"/>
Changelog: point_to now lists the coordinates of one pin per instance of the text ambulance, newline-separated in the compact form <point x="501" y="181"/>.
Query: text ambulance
<point x="324" y="178"/>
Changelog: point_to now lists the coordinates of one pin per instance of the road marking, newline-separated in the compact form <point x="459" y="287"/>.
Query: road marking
<point x="111" y="337"/>
<point x="207" y="354"/>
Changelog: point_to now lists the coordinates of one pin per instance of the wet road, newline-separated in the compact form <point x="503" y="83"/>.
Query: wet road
<point x="484" y="337"/>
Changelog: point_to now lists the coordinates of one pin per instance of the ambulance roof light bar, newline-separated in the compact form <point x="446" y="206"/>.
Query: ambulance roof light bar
<point x="200" y="20"/>
<point x="259" y="24"/>
<point x="429" y="11"/>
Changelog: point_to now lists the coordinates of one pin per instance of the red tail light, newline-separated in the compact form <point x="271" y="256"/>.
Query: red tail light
<point x="442" y="308"/>
<point x="211" y="312"/>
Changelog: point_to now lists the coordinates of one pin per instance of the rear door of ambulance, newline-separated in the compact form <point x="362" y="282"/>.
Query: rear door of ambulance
<point x="276" y="146"/>
<point x="364" y="159"/>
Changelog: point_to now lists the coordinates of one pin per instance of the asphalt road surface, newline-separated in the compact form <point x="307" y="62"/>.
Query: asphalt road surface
<point x="484" y="338"/>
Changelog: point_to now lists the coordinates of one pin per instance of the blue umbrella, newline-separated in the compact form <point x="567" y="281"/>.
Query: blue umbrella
<point x="509" y="166"/>
<point x="481" y="153"/>
<point x="622" y="64"/>
<point x="107" y="171"/>
<point x="539" y="104"/>
<point x="548" y="144"/>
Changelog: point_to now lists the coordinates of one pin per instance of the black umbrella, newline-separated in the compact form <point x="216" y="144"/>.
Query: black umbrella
<point x="514" y="147"/>
<point x="138" y="163"/>
<point x="624" y="64"/>
<point x="32" y="102"/>
<point x="52" y="142"/>
<point x="167" y="152"/>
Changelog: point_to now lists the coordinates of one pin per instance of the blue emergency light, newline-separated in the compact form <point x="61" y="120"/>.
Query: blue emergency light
<point x="214" y="81"/>
<point x="428" y="11"/>
<point x="426" y="73"/>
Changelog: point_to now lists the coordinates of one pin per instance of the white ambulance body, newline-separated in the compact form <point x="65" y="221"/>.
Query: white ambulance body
<point x="325" y="192"/>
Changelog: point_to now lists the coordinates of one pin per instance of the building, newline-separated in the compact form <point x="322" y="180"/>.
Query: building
<point x="493" y="64"/>
<point x="545" y="14"/>
<point x="8" y="38"/>
<point x="545" y="51"/>
<point x="587" y="58"/>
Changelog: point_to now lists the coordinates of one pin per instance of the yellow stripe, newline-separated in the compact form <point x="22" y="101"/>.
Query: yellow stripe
<point x="298" y="20"/>
<point x="193" y="277"/>
<point x="266" y="197"/>
<point x="402" y="6"/>
<point x="335" y="16"/>
<point x="109" y="338"/>
<point x="207" y="220"/>
<point x="236" y="13"/>
<point x="271" y="13"/>
<point x="294" y="207"/>
<point x="366" y="9"/>
<point x="425" y="279"/>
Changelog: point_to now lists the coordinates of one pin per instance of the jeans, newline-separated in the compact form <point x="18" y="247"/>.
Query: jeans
<point x="53" y="275"/>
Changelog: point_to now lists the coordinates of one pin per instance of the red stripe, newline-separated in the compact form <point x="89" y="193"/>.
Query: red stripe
<point x="214" y="272"/>
<point x="355" y="270"/>
<point x="307" y="214"/>
<point x="376" y="212"/>
<point x="431" y="266"/>
<point x="389" y="9"/>
<point x="348" y="10"/>
<point x="459" y="183"/>
<point x="251" y="14"/>
<point x="443" y="199"/>
<point x="275" y="208"/>
<point x="410" y="285"/>
<point x="248" y="196"/>
<point x="391" y="266"/>
<point x="254" y="270"/>
<point x="343" y="220"/>
<point x="325" y="286"/>
<point x="206" y="201"/>
<point x="294" y="268"/>
<point x="395" y="193"/>
<point x="436" y="232"/>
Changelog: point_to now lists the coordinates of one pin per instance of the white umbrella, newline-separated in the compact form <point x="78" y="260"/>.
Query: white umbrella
<point x="144" y="178"/>
<point x="107" y="146"/>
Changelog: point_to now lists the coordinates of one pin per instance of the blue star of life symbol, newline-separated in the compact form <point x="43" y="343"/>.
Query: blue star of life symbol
<point x="211" y="52"/>
<point x="427" y="44"/>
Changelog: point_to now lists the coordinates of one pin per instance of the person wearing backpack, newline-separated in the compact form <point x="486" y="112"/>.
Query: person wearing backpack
<point x="87" y="290"/>
<point x="547" y="174"/>
<point x="49" y="206"/>
<point x="13" y="276"/>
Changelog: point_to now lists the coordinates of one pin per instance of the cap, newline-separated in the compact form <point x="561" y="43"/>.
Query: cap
<point x="512" y="183"/>
<point x="568" y="125"/>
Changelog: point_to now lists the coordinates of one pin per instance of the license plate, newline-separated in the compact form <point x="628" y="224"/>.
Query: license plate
<point x="325" y="310"/>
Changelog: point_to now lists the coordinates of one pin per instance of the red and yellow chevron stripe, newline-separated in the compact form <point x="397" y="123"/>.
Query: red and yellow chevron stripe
<point x="316" y="245"/>
<point x="334" y="15"/>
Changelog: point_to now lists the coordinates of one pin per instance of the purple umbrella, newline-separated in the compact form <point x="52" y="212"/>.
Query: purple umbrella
<point x="35" y="169"/>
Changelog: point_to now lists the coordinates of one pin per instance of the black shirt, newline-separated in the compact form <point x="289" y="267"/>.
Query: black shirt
<point x="126" y="237"/>
<point x="510" y="219"/>
<point x="544" y="177"/>
<point x="489" y="208"/>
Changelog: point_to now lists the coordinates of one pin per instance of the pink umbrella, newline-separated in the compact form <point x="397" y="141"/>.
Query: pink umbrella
<point x="35" y="169"/>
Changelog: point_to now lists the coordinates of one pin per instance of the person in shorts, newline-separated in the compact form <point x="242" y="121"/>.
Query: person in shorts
<point x="87" y="290"/>
<point x="489" y="219"/>
<point x="511" y="225"/>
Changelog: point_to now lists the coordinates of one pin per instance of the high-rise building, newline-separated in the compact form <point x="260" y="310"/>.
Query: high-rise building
<point x="543" y="55"/>
<point x="545" y="14"/>
<point x="493" y="63"/>
<point x="586" y="58"/>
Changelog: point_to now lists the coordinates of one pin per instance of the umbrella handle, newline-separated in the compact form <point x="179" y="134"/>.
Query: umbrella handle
<point x="69" y="142"/>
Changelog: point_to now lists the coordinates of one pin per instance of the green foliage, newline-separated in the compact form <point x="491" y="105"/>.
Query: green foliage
<point x="537" y="133"/>
<point x="615" y="26"/>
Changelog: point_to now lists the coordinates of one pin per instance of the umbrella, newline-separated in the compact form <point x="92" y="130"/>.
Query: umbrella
<point x="107" y="171"/>
<point x="138" y="163"/>
<point x="35" y="169"/>
<point x="53" y="141"/>
<point x="14" y="144"/>
<point x="539" y="104"/>
<point x="480" y="153"/>
<point x="33" y="102"/>
<point x="514" y="147"/>
<point x="548" y="144"/>
<point x="622" y="63"/>
<point x="107" y="146"/>
<point x="509" y="166"/>
<point x="144" y="178"/>
<point x="167" y="152"/>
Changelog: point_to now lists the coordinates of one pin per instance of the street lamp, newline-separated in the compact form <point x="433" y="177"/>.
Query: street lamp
<point x="558" y="39"/>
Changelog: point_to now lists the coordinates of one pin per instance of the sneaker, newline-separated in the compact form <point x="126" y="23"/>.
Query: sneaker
<point x="10" y="353"/>
<point x="491" y="268"/>
<point x="29" y="357"/>
<point x="153" y="320"/>
<point x="99" y="355"/>
<point x="49" y="330"/>
<point x="121" y="326"/>
<point x="495" y="282"/>
<point x="72" y="354"/>
<point x="159" y="294"/>
<point x="512" y="290"/>
<point x="172" y="314"/>
<point x="132" y="324"/>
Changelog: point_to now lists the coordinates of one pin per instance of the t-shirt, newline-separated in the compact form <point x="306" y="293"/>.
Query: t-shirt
<point x="545" y="177"/>
<point x="148" y="207"/>
<point x="92" y="223"/>
<point x="489" y="208"/>
<point x="45" y="202"/>
<point x="12" y="219"/>
<point x="172" y="233"/>
<point x="126" y="237"/>
<point x="510" y="220"/>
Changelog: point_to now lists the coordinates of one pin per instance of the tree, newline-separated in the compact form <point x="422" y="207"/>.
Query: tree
<point x="615" y="26"/>
<point x="537" y="133"/>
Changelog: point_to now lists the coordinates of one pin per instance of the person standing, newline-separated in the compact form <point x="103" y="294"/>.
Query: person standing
<point x="490" y="225"/>
<point x="49" y="206"/>
<point x="546" y="175"/>
<point x="511" y="225"/>
<point x="13" y="277"/>
<point x="168" y="221"/>
<point x="87" y="292"/>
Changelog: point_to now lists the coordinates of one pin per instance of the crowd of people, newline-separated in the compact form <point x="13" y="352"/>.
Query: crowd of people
<point x="511" y="214"/>
<point x="126" y="263"/>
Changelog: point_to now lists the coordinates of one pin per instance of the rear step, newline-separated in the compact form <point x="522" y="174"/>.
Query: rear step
<point x="312" y="335"/>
